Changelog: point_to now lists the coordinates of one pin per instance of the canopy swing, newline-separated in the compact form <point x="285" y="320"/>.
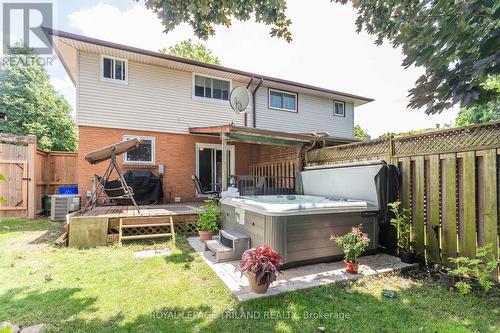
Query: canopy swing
<point x="114" y="189"/>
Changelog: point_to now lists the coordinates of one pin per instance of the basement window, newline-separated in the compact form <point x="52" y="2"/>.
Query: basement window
<point x="144" y="154"/>
<point x="338" y="109"/>
<point x="114" y="69"/>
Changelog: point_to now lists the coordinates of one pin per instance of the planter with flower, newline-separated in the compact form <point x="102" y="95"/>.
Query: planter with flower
<point x="401" y="221"/>
<point x="261" y="266"/>
<point x="208" y="220"/>
<point x="352" y="244"/>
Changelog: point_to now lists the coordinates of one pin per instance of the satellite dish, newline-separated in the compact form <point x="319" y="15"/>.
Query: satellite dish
<point x="239" y="99"/>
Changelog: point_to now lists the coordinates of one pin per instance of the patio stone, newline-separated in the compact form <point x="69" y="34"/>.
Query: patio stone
<point x="40" y="328"/>
<point x="300" y="277"/>
<point x="13" y="328"/>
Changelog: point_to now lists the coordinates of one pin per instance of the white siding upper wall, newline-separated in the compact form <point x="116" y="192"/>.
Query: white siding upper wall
<point x="155" y="99"/>
<point x="315" y="114"/>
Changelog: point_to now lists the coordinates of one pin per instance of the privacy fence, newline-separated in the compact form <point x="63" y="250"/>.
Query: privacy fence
<point x="450" y="183"/>
<point x="30" y="174"/>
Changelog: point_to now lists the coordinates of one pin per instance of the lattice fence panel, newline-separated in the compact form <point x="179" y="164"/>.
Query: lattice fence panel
<point x="186" y="228"/>
<point x="377" y="147"/>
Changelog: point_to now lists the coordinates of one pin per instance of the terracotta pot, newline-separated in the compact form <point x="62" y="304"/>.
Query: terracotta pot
<point x="252" y="281"/>
<point x="408" y="257"/>
<point x="205" y="235"/>
<point x="351" y="267"/>
<point x="448" y="280"/>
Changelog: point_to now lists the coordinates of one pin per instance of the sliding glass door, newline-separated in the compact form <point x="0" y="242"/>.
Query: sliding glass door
<point x="209" y="164"/>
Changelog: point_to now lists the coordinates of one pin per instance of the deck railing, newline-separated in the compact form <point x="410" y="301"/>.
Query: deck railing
<point x="263" y="185"/>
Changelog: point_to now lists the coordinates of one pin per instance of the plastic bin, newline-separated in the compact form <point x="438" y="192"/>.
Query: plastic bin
<point x="67" y="190"/>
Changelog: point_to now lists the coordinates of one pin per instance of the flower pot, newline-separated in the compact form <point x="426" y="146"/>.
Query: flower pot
<point x="205" y="235"/>
<point x="252" y="281"/>
<point x="351" y="267"/>
<point x="408" y="257"/>
<point x="448" y="280"/>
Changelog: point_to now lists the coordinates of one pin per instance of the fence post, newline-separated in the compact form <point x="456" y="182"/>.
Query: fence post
<point x="31" y="176"/>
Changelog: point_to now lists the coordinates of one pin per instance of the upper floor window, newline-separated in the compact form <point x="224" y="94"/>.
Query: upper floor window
<point x="339" y="108"/>
<point x="282" y="100"/>
<point x="114" y="69"/>
<point x="213" y="88"/>
<point x="144" y="154"/>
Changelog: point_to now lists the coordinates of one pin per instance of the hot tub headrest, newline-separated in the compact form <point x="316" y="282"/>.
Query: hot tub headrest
<point x="366" y="181"/>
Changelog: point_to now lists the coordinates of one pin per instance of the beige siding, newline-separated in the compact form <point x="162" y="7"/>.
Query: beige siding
<point x="314" y="114"/>
<point x="156" y="99"/>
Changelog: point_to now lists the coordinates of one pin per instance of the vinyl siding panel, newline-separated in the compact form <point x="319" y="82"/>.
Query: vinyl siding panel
<point x="155" y="99"/>
<point x="315" y="114"/>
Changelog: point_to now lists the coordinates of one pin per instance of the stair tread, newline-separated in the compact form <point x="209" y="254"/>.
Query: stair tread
<point x="124" y="226"/>
<point x="233" y="235"/>
<point x="215" y="246"/>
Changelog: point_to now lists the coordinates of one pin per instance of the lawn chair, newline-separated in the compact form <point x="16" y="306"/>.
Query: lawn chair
<point x="203" y="192"/>
<point x="114" y="189"/>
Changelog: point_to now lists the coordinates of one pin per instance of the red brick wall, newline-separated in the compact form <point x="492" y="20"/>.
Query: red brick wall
<point x="176" y="151"/>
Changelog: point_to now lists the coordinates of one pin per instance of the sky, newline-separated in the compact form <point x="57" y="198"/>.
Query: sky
<point x="326" y="51"/>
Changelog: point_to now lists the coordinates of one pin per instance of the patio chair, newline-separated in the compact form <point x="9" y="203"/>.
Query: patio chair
<point x="200" y="191"/>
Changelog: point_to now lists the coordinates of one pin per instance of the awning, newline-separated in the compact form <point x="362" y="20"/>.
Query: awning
<point x="262" y="136"/>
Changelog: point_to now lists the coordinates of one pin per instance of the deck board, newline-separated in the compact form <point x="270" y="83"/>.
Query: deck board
<point x="146" y="210"/>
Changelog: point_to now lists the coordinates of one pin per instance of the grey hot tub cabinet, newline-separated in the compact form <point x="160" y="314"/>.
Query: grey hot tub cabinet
<point x="302" y="239"/>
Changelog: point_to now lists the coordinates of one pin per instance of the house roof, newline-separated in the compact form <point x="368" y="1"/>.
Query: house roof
<point x="66" y="43"/>
<point x="263" y="136"/>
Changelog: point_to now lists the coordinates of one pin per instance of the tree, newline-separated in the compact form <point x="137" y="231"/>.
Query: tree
<point x="189" y="50"/>
<point x="32" y="105"/>
<point x="360" y="133"/>
<point x="456" y="41"/>
<point x="481" y="113"/>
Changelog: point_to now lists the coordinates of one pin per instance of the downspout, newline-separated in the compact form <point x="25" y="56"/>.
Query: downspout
<point x="246" y="114"/>
<point x="254" y="111"/>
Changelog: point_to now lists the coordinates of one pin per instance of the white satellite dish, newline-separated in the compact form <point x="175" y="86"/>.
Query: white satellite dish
<point x="239" y="99"/>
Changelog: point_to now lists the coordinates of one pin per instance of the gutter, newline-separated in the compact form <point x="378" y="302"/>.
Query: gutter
<point x="254" y="111"/>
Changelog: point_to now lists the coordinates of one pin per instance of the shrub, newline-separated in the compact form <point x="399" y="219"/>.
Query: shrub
<point x="208" y="220"/>
<point x="352" y="243"/>
<point x="263" y="262"/>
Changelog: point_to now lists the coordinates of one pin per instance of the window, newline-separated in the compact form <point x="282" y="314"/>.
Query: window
<point x="281" y="100"/>
<point x="114" y="69"/>
<point x="144" y="154"/>
<point x="208" y="87"/>
<point x="339" y="109"/>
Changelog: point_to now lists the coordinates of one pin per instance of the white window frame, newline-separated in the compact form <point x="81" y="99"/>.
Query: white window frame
<point x="283" y="92"/>
<point x="336" y="114"/>
<point x="153" y="150"/>
<point x="106" y="79"/>
<point x="229" y="148"/>
<point x="206" y="99"/>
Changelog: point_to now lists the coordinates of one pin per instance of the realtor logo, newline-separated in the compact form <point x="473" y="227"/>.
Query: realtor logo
<point x="22" y="25"/>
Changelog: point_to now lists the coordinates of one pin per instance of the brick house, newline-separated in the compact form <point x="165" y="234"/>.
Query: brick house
<point x="180" y="110"/>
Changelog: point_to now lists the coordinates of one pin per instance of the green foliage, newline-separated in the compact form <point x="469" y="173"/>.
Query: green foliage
<point x="482" y="113"/>
<point x="478" y="269"/>
<point x="203" y="15"/>
<point x="360" y="133"/>
<point x="352" y="244"/>
<point x="456" y="41"/>
<point x="194" y="51"/>
<point x="401" y="221"/>
<point x="32" y="105"/>
<point x="2" y="179"/>
<point x="209" y="219"/>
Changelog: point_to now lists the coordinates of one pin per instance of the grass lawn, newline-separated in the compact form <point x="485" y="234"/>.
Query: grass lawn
<point x="109" y="290"/>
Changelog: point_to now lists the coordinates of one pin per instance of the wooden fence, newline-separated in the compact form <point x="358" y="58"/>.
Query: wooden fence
<point x="31" y="174"/>
<point x="450" y="179"/>
<point x="283" y="172"/>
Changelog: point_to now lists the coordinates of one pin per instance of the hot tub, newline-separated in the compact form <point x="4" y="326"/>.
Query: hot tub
<point x="331" y="202"/>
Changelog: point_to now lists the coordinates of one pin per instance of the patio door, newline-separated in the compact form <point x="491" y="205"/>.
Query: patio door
<point x="209" y="164"/>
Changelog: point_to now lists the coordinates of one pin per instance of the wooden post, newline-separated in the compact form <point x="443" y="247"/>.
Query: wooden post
<point x="31" y="176"/>
<point x="224" y="162"/>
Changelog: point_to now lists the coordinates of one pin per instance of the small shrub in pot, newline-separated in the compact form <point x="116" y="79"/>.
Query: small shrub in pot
<point x="261" y="266"/>
<point x="401" y="221"/>
<point x="352" y="244"/>
<point x="208" y="220"/>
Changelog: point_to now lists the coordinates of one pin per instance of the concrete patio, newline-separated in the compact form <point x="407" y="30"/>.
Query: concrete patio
<point x="299" y="277"/>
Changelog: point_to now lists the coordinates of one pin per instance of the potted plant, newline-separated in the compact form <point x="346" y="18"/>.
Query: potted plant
<point x="401" y="221"/>
<point x="208" y="220"/>
<point x="261" y="266"/>
<point x="352" y="244"/>
<point x="467" y="271"/>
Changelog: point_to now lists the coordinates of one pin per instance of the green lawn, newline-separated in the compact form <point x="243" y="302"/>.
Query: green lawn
<point x="108" y="290"/>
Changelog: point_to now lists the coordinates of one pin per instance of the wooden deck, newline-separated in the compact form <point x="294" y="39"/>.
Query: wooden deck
<point x="189" y="208"/>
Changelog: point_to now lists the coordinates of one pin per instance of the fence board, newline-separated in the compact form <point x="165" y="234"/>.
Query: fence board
<point x="449" y="206"/>
<point x="418" y="213"/>
<point x="467" y="244"/>
<point x="432" y="216"/>
<point x="490" y="201"/>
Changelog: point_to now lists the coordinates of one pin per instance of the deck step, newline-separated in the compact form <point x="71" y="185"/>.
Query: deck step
<point x="125" y="226"/>
<point x="215" y="246"/>
<point x="233" y="234"/>
<point x="146" y="236"/>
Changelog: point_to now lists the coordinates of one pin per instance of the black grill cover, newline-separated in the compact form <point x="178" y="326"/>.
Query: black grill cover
<point x="146" y="185"/>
